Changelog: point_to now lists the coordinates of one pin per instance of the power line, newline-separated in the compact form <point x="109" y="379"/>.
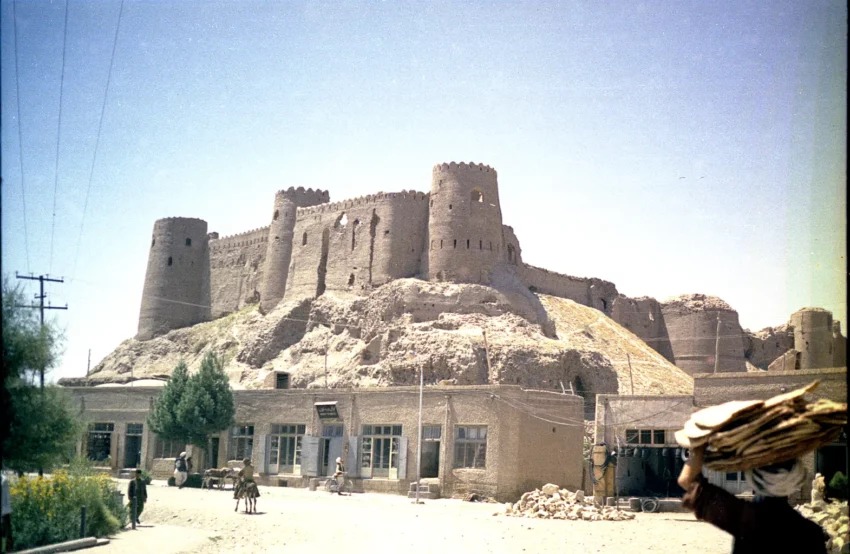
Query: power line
<point x="58" y="134"/>
<point x="97" y="140"/>
<point x="20" y="133"/>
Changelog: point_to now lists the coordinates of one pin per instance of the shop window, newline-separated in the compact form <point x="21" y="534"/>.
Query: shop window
<point x="646" y="436"/>
<point x="285" y="447"/>
<point x="470" y="446"/>
<point x="241" y="442"/>
<point x="99" y="441"/>
<point x="164" y="448"/>
<point x="379" y="450"/>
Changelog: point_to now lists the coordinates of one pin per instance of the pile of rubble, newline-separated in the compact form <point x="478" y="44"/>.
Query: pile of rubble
<point x="551" y="502"/>
<point x="833" y="517"/>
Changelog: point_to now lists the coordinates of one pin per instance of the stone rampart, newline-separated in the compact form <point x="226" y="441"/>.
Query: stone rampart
<point x="642" y="316"/>
<point x="354" y="245"/>
<point x="237" y="263"/>
<point x="177" y="282"/>
<point x="592" y="292"/>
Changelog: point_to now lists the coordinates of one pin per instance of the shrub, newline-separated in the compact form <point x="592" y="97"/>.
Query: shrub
<point x="47" y="509"/>
<point x="838" y="484"/>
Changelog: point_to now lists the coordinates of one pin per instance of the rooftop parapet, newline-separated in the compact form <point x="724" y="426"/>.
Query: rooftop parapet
<point x="304" y="197"/>
<point x="368" y="200"/>
<point x="471" y="166"/>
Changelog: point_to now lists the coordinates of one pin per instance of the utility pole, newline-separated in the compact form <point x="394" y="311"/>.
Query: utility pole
<point x="631" y="379"/>
<point x="419" y="442"/>
<point x="717" y="344"/>
<point x="327" y="346"/>
<point x="487" y="354"/>
<point x="40" y="297"/>
<point x="88" y="365"/>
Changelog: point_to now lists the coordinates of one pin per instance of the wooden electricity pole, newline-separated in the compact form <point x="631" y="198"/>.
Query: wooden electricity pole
<point x="41" y="307"/>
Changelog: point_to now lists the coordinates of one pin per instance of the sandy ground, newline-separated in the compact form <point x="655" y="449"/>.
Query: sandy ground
<point x="203" y="522"/>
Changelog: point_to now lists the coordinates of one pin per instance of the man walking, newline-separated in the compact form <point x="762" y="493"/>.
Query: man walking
<point x="7" y="517"/>
<point x="181" y="470"/>
<point x="137" y="491"/>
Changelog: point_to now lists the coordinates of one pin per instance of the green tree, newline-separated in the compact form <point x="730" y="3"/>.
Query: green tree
<point x="40" y="427"/>
<point x="163" y="419"/>
<point x="207" y="404"/>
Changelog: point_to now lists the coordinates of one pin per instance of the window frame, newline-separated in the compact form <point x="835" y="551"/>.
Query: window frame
<point x="468" y="443"/>
<point x="241" y="440"/>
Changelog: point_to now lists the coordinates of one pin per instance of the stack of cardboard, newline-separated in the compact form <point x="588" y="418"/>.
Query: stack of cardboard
<point x="742" y="435"/>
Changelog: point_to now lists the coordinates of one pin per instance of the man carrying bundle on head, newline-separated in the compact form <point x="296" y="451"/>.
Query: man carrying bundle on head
<point x="764" y="440"/>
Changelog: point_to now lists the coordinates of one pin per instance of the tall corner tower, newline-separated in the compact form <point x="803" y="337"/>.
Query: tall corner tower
<point x="279" y="250"/>
<point x="177" y="282"/>
<point x="813" y="337"/>
<point x="465" y="225"/>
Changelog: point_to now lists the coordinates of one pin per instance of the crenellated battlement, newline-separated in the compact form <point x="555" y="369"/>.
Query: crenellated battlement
<point x="239" y="240"/>
<point x="369" y="199"/>
<point x="471" y="166"/>
<point x="304" y="197"/>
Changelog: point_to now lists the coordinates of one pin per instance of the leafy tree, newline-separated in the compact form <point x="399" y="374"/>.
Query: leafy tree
<point x="163" y="419"/>
<point x="191" y="408"/>
<point x="40" y="427"/>
<point x="207" y="404"/>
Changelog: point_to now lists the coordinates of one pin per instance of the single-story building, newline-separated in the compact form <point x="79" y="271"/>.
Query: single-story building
<point x="498" y="440"/>
<point x="640" y="428"/>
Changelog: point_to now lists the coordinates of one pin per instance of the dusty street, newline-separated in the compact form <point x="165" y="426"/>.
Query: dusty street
<point x="297" y="520"/>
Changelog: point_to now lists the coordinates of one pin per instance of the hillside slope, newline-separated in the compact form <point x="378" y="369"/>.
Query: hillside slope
<point x="385" y="338"/>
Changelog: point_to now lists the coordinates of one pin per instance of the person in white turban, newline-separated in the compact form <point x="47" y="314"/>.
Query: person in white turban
<point x="768" y="524"/>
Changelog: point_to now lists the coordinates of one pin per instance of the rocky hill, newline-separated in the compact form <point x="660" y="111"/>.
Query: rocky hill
<point x="464" y="334"/>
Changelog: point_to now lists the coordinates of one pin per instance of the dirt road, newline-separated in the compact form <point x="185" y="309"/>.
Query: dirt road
<point x="297" y="520"/>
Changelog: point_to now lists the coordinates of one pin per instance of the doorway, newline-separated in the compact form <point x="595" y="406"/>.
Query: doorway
<point x="133" y="445"/>
<point x="212" y="454"/>
<point x="430" y="462"/>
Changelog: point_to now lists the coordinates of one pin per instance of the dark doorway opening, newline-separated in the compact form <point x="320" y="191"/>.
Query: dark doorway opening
<point x="133" y="451"/>
<point x="212" y="455"/>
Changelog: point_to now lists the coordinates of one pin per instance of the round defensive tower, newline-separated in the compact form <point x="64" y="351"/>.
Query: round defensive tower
<point x="465" y="223"/>
<point x="279" y="250"/>
<point x="692" y="326"/>
<point x="813" y="338"/>
<point x="177" y="281"/>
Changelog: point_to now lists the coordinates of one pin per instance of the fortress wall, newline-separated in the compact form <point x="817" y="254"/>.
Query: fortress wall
<point x="510" y="243"/>
<point x="237" y="264"/>
<point x="693" y="332"/>
<point x="767" y="345"/>
<point x="642" y="316"/>
<point x="177" y="282"/>
<point x="465" y="223"/>
<point x="381" y="239"/>
<point x="592" y="292"/>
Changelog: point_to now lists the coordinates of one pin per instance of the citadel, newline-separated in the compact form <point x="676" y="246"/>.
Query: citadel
<point x="326" y="318"/>
<point x="454" y="233"/>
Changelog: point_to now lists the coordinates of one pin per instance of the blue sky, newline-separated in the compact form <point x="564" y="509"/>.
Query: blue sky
<point x="669" y="147"/>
